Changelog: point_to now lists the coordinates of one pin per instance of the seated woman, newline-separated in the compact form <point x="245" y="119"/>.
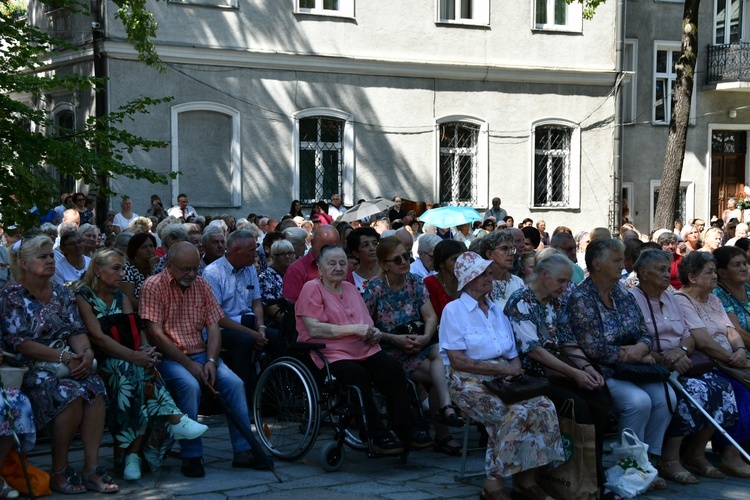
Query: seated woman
<point x="499" y="247"/>
<point x="35" y="313"/>
<point x="271" y="279"/>
<point x="331" y="310"/>
<point x="733" y="290"/>
<point x="90" y="238"/>
<point x="673" y="344"/>
<point x="136" y="416"/>
<point x="443" y="286"/>
<point x="74" y="263"/>
<point x="477" y="344"/>
<point x="538" y="320"/>
<point x="398" y="298"/>
<point x="715" y="335"/>
<point x="610" y="328"/>
<point x="14" y="402"/>
<point x="362" y="243"/>
<point x="141" y="258"/>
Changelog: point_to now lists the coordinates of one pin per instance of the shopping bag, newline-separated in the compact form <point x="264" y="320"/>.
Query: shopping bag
<point x="576" y="478"/>
<point x="12" y="472"/>
<point x="632" y="473"/>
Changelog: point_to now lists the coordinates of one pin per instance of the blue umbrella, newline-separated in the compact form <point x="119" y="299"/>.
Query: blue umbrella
<point x="445" y="217"/>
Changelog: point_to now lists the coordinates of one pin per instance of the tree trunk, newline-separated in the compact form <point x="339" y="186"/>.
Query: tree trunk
<point x="669" y="192"/>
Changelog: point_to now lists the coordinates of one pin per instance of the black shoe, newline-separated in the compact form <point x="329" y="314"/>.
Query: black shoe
<point x="387" y="445"/>
<point x="420" y="439"/>
<point x="249" y="460"/>
<point x="193" y="467"/>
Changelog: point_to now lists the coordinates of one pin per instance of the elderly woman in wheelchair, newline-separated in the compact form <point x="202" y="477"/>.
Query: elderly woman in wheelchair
<point x="331" y="310"/>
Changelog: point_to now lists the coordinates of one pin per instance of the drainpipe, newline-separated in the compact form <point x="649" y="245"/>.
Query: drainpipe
<point x="98" y="31"/>
<point x="616" y="219"/>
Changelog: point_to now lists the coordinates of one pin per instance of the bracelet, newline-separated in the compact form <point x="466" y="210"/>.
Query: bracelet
<point x="87" y="349"/>
<point x="62" y="351"/>
<point x="262" y="326"/>
<point x="585" y="366"/>
<point x="741" y="347"/>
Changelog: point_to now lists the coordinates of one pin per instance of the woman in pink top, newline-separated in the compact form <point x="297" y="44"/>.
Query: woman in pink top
<point x="331" y="310"/>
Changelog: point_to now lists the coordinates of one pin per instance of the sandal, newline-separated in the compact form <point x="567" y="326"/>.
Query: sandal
<point x="72" y="485"/>
<point x="444" y="446"/>
<point x="105" y="484"/>
<point x="452" y="420"/>
<point x="702" y="467"/>
<point x="682" y="477"/>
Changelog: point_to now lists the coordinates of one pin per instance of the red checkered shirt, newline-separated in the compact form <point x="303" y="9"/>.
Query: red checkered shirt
<point x="182" y="313"/>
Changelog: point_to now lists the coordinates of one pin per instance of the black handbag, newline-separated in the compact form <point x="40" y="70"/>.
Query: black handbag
<point x="519" y="388"/>
<point x="702" y="364"/>
<point x="410" y="328"/>
<point x="125" y="329"/>
<point x="640" y="373"/>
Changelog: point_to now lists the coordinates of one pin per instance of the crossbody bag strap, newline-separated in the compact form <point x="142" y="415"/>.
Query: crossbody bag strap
<point x="653" y="319"/>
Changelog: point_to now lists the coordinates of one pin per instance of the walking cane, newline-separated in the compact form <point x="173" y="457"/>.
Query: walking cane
<point x="21" y="456"/>
<point x="677" y="385"/>
<point x="244" y="430"/>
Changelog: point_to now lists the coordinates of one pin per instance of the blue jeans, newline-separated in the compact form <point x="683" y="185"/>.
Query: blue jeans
<point x="186" y="391"/>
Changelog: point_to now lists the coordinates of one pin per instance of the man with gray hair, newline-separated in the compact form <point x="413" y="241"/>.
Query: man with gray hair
<point x="423" y="265"/>
<point x="234" y="282"/>
<point x="496" y="212"/>
<point x="406" y="239"/>
<point x="298" y="238"/>
<point x="214" y="245"/>
<point x="566" y="244"/>
<point x="170" y="235"/>
<point x="335" y="209"/>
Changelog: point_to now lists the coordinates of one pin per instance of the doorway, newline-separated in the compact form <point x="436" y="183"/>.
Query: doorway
<point x="728" y="150"/>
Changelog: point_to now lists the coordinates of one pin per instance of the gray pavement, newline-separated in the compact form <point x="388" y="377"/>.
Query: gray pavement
<point x="426" y="475"/>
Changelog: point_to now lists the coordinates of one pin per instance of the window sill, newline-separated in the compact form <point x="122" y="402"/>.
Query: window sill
<point x="556" y="29"/>
<point x="461" y="22"/>
<point x="324" y="13"/>
<point x="214" y="4"/>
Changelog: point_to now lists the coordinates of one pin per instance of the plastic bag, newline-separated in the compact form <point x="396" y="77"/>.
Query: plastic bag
<point x="633" y="472"/>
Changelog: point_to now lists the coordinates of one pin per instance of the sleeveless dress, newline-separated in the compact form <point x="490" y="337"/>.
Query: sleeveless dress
<point x="138" y="401"/>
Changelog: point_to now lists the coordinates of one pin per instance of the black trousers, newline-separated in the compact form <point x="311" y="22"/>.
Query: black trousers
<point x="386" y="374"/>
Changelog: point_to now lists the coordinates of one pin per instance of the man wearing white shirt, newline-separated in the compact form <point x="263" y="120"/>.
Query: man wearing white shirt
<point x="182" y="209"/>
<point x="335" y="209"/>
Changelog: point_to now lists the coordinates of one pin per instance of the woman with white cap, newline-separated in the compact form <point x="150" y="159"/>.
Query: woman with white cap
<point x="477" y="344"/>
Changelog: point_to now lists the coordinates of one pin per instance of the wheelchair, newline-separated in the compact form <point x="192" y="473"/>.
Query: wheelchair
<point x="293" y="399"/>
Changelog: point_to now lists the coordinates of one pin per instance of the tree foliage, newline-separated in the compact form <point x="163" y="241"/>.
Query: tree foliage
<point x="29" y="141"/>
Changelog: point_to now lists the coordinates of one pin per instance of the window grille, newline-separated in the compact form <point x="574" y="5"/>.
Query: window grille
<point x="458" y="163"/>
<point x="552" y="166"/>
<point x="321" y="158"/>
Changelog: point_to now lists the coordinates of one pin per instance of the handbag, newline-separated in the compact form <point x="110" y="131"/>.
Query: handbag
<point x="519" y="388"/>
<point x="125" y="329"/>
<point x="410" y="328"/>
<point x="576" y="478"/>
<point x="633" y="473"/>
<point x="56" y="368"/>
<point x="639" y="373"/>
<point x="741" y="375"/>
<point x="702" y="364"/>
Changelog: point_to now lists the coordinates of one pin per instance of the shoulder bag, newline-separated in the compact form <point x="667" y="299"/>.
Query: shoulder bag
<point x="519" y="388"/>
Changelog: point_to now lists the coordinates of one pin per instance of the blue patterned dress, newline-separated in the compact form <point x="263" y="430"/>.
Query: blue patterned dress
<point x="138" y="398"/>
<point x="390" y="309"/>
<point x="24" y="318"/>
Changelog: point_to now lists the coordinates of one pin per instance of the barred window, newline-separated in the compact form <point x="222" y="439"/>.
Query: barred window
<point x="552" y="166"/>
<point x="458" y="163"/>
<point x="321" y="158"/>
<point x="65" y="128"/>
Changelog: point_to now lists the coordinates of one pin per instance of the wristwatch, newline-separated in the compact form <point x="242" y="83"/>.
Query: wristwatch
<point x="684" y="348"/>
<point x="211" y="360"/>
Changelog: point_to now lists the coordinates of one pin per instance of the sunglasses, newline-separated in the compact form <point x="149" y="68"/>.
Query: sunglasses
<point x="400" y="259"/>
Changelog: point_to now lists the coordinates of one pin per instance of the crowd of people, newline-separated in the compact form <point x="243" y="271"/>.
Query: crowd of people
<point x="122" y="325"/>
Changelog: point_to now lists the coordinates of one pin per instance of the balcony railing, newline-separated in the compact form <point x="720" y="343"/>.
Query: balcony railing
<point x="730" y="62"/>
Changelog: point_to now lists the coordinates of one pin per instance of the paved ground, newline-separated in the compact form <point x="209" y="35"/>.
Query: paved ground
<point x="426" y="475"/>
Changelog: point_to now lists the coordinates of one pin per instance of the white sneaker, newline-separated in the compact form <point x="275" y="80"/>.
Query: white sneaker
<point x="132" y="470"/>
<point x="188" y="428"/>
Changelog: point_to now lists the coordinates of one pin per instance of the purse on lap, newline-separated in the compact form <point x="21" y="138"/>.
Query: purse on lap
<point x="125" y="329"/>
<point x="519" y="388"/>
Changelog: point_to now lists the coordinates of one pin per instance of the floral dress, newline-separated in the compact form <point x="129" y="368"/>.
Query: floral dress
<point x="19" y="406"/>
<point x="734" y="306"/>
<point x="138" y="398"/>
<point x="390" y="309"/>
<point x="271" y="285"/>
<point x="24" y="318"/>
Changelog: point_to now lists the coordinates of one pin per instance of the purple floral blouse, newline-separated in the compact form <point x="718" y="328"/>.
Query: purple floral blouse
<point x="601" y="330"/>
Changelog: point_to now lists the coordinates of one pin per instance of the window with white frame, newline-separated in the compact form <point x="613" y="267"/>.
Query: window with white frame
<point x="458" y="163"/>
<point x="320" y="158"/>
<point x="339" y="8"/>
<point x="729" y="17"/>
<point x="666" y="56"/>
<point x="556" y="153"/>
<point x="557" y="15"/>
<point x="463" y="11"/>
<point x="629" y="65"/>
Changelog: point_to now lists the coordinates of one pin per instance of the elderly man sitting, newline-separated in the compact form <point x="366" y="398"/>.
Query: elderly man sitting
<point x="176" y="305"/>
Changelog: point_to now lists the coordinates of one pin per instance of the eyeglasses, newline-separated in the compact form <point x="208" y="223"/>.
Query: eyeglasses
<point x="284" y="254"/>
<point x="187" y="270"/>
<point x="398" y="260"/>
<point x="508" y="250"/>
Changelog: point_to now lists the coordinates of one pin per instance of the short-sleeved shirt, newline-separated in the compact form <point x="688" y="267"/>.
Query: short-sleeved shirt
<point x="670" y="321"/>
<point x="709" y="315"/>
<point x="300" y="272"/>
<point x="348" y="308"/>
<point x="734" y="306"/>
<point x="122" y="222"/>
<point x="183" y="313"/>
<point x="64" y="271"/>
<point x="464" y="327"/>
<point x="234" y="289"/>
<point x="134" y="276"/>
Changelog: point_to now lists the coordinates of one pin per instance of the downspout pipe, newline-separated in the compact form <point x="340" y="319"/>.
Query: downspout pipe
<point x="616" y="219"/>
<point x="98" y="31"/>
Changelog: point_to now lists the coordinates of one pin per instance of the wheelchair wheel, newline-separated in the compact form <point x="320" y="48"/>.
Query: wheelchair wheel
<point x="286" y="409"/>
<point x="332" y="457"/>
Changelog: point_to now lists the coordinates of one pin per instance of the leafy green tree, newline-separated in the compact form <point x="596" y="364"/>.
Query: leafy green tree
<point x="29" y="141"/>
